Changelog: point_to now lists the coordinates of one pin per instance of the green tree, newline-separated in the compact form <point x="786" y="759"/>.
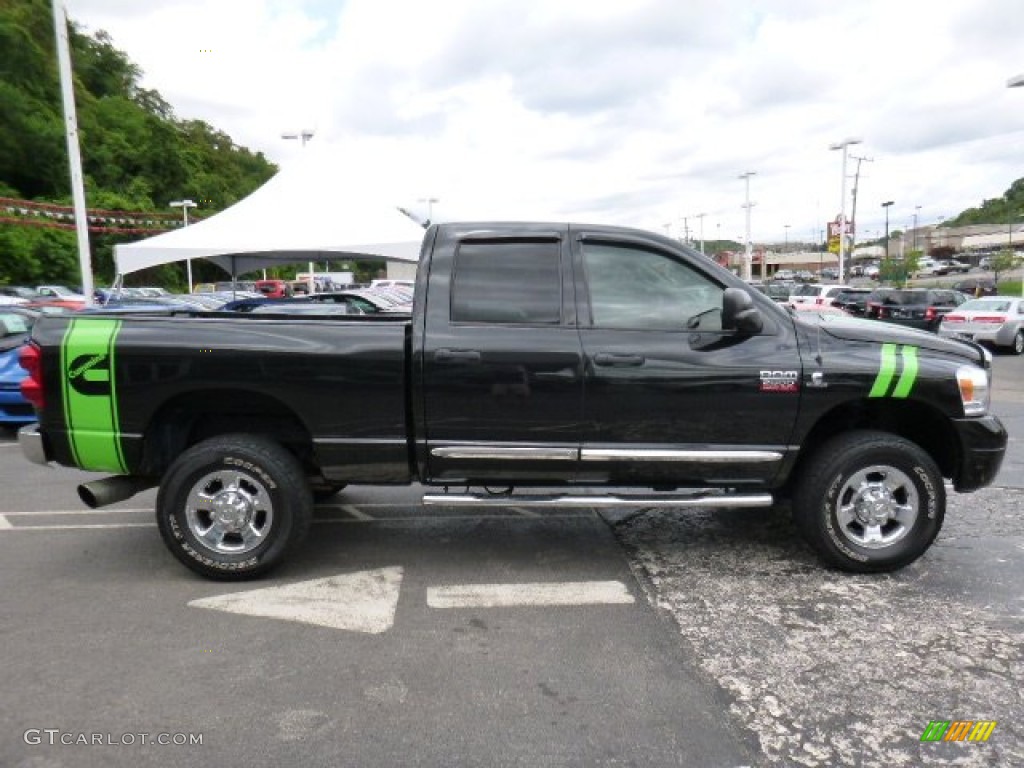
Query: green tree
<point x="1003" y="261"/>
<point x="136" y="154"/>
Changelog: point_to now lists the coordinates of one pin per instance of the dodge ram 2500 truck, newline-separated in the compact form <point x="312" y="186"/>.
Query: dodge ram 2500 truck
<point x="551" y="357"/>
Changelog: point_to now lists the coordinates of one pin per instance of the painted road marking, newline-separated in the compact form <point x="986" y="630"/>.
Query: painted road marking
<point x="4" y="524"/>
<point x="542" y="594"/>
<point x="358" y="602"/>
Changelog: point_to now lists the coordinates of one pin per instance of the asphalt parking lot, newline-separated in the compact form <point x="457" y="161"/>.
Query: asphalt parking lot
<point x="406" y="636"/>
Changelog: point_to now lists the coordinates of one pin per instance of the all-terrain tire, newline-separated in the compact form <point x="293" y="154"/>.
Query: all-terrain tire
<point x="869" y="501"/>
<point x="232" y="507"/>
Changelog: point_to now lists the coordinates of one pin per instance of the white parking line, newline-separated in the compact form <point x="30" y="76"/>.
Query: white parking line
<point x="542" y="594"/>
<point x="4" y="523"/>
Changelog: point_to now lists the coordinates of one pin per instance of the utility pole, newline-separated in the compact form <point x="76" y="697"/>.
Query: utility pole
<point x="853" y="214"/>
<point x="701" y="217"/>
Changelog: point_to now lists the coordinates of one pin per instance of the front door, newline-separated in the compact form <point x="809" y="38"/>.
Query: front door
<point x="671" y="398"/>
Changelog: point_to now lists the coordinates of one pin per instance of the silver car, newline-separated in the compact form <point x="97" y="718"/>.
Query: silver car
<point x="997" y="320"/>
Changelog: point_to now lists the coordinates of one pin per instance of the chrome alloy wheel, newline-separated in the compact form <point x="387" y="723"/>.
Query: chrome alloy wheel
<point x="229" y="512"/>
<point x="877" y="507"/>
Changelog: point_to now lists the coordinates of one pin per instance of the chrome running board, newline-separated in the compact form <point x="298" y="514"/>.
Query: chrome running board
<point x="713" y="499"/>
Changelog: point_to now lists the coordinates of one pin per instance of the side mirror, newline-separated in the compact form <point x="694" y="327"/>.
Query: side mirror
<point x="739" y="312"/>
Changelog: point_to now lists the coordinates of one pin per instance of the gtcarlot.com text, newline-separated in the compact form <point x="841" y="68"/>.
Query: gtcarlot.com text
<point x="54" y="737"/>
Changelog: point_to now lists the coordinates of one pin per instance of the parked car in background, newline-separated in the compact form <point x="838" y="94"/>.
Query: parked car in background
<point x="976" y="286"/>
<point x="17" y="294"/>
<point x="777" y="291"/>
<point x="784" y="274"/>
<point x="57" y="296"/>
<point x="995" y="320"/>
<point x="871" y="271"/>
<point x="830" y="273"/>
<point x="805" y="276"/>
<point x="818" y="294"/>
<point x="274" y="289"/>
<point x="15" y="326"/>
<point x="921" y="308"/>
<point x="852" y="300"/>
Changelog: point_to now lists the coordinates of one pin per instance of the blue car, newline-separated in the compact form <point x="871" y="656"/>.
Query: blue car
<point x="15" y="325"/>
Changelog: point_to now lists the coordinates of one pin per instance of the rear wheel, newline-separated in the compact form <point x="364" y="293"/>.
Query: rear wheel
<point x="870" y="502"/>
<point x="232" y="507"/>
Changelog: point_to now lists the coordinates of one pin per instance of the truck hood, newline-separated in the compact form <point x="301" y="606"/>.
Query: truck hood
<point x="879" y="332"/>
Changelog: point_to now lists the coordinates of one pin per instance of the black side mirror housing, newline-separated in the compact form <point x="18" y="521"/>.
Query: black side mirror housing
<point x="739" y="313"/>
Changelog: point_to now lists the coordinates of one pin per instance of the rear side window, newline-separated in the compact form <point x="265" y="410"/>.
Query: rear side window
<point x="511" y="282"/>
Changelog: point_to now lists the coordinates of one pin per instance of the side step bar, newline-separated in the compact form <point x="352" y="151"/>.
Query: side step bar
<point x="713" y="499"/>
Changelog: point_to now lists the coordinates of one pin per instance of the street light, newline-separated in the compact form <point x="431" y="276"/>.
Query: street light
<point x="886" y="205"/>
<point x="785" y="247"/>
<point x="916" y="209"/>
<point x="747" y="260"/>
<point x="185" y="205"/>
<point x="303" y="136"/>
<point x="843" y="145"/>
<point x="430" y="208"/>
<point x="1016" y="82"/>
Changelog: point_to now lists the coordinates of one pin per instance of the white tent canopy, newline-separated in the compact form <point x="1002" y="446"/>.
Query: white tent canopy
<point x="313" y="210"/>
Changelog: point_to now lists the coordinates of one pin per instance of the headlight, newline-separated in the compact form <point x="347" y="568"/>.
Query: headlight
<point x="975" y="391"/>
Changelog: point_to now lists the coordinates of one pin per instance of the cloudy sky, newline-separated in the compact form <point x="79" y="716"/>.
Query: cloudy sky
<point x="638" y="112"/>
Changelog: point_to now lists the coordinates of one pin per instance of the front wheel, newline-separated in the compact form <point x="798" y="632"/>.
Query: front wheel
<point x="1017" y="346"/>
<point x="869" y="502"/>
<point x="232" y="507"/>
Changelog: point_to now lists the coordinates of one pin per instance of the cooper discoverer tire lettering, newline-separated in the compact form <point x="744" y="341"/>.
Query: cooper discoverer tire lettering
<point x="869" y="501"/>
<point x="234" y="506"/>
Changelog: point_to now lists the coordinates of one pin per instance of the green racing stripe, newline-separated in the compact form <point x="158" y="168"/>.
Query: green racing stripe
<point x="909" y="375"/>
<point x="887" y="371"/>
<point x="90" y="394"/>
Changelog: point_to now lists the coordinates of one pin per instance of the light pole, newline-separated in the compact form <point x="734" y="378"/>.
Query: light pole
<point x="887" y="205"/>
<point x="1016" y="82"/>
<point x="843" y="145"/>
<point x="303" y="136"/>
<point x="785" y="245"/>
<point x="430" y="208"/>
<point x="701" y="217"/>
<point x="747" y="261"/>
<point x="185" y="205"/>
<point x="916" y="209"/>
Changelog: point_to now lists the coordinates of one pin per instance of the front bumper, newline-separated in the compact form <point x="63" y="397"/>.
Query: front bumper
<point x="33" y="445"/>
<point x="982" y="446"/>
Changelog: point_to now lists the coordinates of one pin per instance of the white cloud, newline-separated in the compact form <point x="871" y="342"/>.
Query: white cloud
<point x="634" y="113"/>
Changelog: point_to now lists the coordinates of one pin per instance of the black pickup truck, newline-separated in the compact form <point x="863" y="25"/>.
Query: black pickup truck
<point x="581" y="365"/>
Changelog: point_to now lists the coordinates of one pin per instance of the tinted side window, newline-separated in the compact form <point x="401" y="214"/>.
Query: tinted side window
<point x="632" y="288"/>
<point x="507" y="282"/>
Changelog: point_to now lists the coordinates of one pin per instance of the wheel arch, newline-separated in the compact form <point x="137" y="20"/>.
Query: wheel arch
<point x="913" y="420"/>
<point x="190" y="418"/>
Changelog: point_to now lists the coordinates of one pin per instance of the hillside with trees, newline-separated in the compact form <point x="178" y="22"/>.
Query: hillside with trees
<point x="998" y="210"/>
<point x="137" y="155"/>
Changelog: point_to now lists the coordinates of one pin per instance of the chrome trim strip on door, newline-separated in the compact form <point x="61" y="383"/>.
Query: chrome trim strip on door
<point x="696" y="457"/>
<point x="498" y="452"/>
